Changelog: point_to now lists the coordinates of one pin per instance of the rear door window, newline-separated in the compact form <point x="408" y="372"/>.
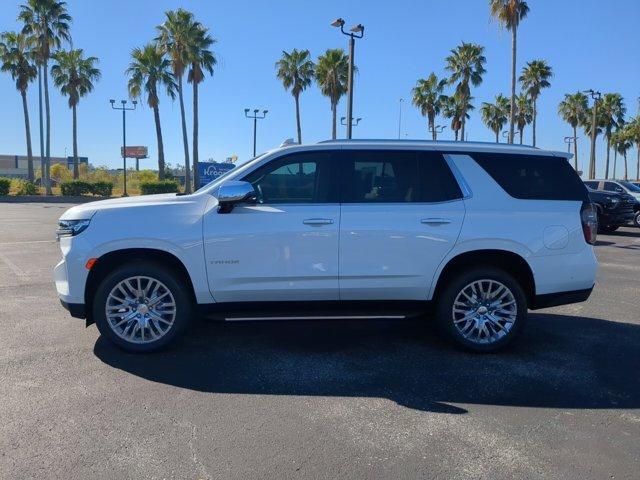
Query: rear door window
<point x="396" y="176"/>
<point x="533" y="177"/>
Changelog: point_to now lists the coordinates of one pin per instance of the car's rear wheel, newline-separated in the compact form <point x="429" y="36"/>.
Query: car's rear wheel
<point x="482" y="310"/>
<point x="141" y="307"/>
<point x="636" y="219"/>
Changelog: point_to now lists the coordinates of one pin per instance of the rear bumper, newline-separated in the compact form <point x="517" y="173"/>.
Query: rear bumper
<point x="77" y="310"/>
<point x="560" y="298"/>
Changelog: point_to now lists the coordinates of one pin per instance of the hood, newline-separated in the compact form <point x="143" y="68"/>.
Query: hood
<point x="88" y="210"/>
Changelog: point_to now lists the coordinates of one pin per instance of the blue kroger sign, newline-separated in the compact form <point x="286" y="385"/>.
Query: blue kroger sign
<point x="210" y="171"/>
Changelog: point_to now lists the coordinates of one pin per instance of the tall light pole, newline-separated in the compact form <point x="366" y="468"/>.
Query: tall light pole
<point x="356" y="31"/>
<point x="568" y="141"/>
<point x="124" y="109"/>
<point x="435" y="130"/>
<point x="256" y="116"/>
<point x="354" y="123"/>
<point x="400" y="102"/>
<point x="592" y="158"/>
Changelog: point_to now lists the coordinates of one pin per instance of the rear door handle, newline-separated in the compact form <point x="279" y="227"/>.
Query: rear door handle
<point x="316" y="222"/>
<point x="435" y="221"/>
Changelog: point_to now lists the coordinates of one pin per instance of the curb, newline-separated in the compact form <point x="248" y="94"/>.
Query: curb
<point x="48" y="199"/>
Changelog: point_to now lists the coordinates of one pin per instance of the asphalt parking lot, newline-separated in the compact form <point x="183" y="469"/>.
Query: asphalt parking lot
<point x="315" y="400"/>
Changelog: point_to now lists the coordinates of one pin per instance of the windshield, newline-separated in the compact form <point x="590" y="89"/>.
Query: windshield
<point x="630" y="186"/>
<point x="227" y="174"/>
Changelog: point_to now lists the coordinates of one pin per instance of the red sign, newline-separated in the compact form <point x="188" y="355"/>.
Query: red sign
<point x="136" y="152"/>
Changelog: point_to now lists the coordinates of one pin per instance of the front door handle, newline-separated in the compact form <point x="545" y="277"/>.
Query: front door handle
<point x="316" y="222"/>
<point x="435" y="221"/>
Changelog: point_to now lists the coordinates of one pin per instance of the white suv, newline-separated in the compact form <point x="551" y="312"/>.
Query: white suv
<point x="339" y="229"/>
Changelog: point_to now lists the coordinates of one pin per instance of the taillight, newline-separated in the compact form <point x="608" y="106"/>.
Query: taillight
<point x="589" y="219"/>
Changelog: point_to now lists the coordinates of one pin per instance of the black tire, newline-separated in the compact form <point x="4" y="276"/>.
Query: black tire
<point x="636" y="219"/>
<point x="172" y="281"/>
<point x="447" y="297"/>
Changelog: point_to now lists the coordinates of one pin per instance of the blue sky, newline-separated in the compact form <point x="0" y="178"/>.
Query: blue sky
<point x="589" y="44"/>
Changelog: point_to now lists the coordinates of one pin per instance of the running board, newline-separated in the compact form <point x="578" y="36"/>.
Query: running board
<point x="318" y="317"/>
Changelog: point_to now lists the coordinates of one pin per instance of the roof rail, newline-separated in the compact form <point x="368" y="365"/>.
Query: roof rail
<point x="433" y="142"/>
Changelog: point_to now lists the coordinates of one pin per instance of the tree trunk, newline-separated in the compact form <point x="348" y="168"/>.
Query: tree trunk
<point x="456" y="132"/>
<point x="521" y="134"/>
<point x="462" y="121"/>
<point x="575" y="148"/>
<point x="156" y="117"/>
<point x="497" y="136"/>
<point x="297" y="97"/>
<point x="185" y="140"/>
<point x="638" y="164"/>
<point x="334" y="106"/>
<point x="76" y="173"/>
<point x="27" y="129"/>
<point x="431" y="125"/>
<point x="47" y="159"/>
<point x="615" y="162"/>
<point x="533" y="124"/>
<point x="196" y="172"/>
<point x="40" y="119"/>
<point x="626" y="175"/>
<point x="606" y="163"/>
<point x="512" y="115"/>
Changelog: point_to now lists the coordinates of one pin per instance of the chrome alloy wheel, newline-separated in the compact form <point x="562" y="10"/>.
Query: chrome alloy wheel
<point x="140" y="309"/>
<point x="484" y="311"/>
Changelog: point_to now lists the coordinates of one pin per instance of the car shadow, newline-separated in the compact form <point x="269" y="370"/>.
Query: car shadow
<point x="559" y="361"/>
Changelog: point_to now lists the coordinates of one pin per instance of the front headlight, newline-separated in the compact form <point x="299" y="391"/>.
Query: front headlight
<point x="70" y="228"/>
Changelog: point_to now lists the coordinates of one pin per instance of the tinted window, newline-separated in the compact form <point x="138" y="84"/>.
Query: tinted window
<point x="391" y="176"/>
<point x="533" y="177"/>
<point x="380" y="176"/>
<point x="612" y="187"/>
<point x="297" y="178"/>
<point x="593" y="185"/>
<point x="437" y="183"/>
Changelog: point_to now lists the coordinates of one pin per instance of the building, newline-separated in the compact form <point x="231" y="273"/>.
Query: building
<point x="15" y="166"/>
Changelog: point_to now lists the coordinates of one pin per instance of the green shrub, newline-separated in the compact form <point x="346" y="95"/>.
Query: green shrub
<point x="158" y="186"/>
<point x="5" y="183"/>
<point x="102" y="189"/>
<point x="75" y="188"/>
<point x="24" y="187"/>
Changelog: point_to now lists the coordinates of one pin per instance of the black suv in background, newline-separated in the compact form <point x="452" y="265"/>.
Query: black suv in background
<point x="614" y="209"/>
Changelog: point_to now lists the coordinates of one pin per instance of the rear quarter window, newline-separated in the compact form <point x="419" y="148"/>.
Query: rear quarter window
<point x="533" y="177"/>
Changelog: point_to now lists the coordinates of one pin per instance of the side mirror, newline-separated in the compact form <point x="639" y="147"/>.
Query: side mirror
<point x="234" y="192"/>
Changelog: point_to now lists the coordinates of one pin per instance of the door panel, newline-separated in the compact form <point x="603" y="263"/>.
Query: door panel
<point x="390" y="252"/>
<point x="402" y="212"/>
<point x="285" y="247"/>
<point x="272" y="252"/>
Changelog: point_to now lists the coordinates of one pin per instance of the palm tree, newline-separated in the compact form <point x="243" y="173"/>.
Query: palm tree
<point x="535" y="76"/>
<point x="573" y="110"/>
<point x="633" y="132"/>
<point x="74" y="75"/>
<point x="175" y="38"/>
<point x="612" y="109"/>
<point x="495" y="115"/>
<point x="46" y="23"/>
<point x="622" y="142"/>
<point x="427" y="96"/>
<point x="202" y="60"/>
<point x="524" y="113"/>
<point x="466" y="64"/>
<point x="453" y="108"/>
<point x="332" y="74"/>
<point x="150" y="69"/>
<point x="587" y="127"/>
<point x="17" y="59"/>
<point x="296" y="71"/>
<point x="509" y="13"/>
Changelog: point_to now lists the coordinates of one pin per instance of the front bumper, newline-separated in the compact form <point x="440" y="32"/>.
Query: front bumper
<point x="77" y="310"/>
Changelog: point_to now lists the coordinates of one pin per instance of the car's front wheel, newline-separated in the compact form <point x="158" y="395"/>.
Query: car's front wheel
<point x="142" y="306"/>
<point x="483" y="309"/>
<point x="636" y="219"/>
